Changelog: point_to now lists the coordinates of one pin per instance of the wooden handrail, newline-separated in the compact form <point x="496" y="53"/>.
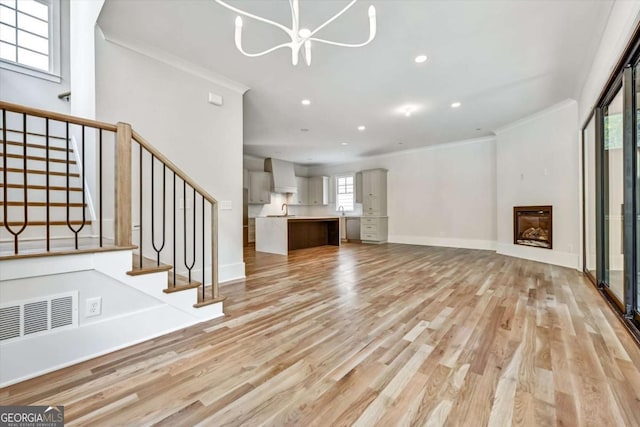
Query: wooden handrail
<point x="158" y="155"/>
<point x="56" y="116"/>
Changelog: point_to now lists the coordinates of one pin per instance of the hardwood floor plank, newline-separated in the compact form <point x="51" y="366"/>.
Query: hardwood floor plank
<point x="389" y="335"/>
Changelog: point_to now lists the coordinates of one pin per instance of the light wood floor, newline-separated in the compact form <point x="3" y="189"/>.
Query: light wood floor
<point x="372" y="335"/>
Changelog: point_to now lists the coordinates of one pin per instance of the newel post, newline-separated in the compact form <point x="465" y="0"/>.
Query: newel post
<point x="123" y="186"/>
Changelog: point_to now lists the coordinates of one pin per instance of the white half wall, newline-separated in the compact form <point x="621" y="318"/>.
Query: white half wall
<point x="443" y="195"/>
<point x="537" y="164"/>
<point x="169" y="107"/>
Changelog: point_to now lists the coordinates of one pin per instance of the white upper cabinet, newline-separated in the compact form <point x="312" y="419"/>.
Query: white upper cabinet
<point x="374" y="192"/>
<point x="302" y="196"/>
<point x="318" y="190"/>
<point x="259" y="187"/>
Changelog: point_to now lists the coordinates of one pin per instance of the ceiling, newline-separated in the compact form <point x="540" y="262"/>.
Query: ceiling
<point x="502" y="60"/>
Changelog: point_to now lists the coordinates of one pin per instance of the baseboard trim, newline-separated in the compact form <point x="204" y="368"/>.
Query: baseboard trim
<point x="563" y="259"/>
<point x="231" y="272"/>
<point x="447" y="242"/>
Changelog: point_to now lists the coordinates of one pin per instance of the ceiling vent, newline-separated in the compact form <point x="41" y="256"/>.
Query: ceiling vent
<point x="37" y="316"/>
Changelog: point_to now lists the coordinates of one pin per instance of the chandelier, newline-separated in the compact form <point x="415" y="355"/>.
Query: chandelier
<point x="299" y="36"/>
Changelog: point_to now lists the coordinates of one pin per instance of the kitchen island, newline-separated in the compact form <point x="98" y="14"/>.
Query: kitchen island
<point x="281" y="234"/>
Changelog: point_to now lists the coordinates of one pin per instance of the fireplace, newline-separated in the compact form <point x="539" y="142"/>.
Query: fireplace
<point x="532" y="226"/>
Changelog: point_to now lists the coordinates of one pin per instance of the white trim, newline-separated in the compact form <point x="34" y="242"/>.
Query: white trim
<point x="564" y="259"/>
<point x="79" y="165"/>
<point x="178" y="63"/>
<point x="231" y="272"/>
<point x="535" y="116"/>
<point x="29" y="71"/>
<point x="447" y="242"/>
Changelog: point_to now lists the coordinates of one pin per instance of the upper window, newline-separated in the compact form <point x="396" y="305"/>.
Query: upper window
<point x="344" y="193"/>
<point x="27" y="33"/>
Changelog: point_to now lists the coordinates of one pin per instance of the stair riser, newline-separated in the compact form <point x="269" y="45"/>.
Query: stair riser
<point x="38" y="179"/>
<point x="16" y="213"/>
<point x="16" y="194"/>
<point x="39" y="152"/>
<point x="33" y="164"/>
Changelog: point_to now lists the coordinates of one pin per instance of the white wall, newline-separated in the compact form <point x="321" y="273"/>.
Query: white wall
<point x="622" y="21"/>
<point x="84" y="15"/>
<point x="536" y="164"/>
<point x="36" y="92"/>
<point x="443" y="195"/>
<point x="168" y="107"/>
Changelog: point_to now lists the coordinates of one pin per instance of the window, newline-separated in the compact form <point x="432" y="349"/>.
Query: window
<point x="29" y="35"/>
<point x="344" y="193"/>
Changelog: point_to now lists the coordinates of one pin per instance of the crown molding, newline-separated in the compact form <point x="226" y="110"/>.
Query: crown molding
<point x="178" y="63"/>
<point x="537" y="115"/>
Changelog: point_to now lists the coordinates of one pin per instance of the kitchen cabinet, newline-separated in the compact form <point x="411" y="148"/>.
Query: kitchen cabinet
<point x="318" y="190"/>
<point x="358" y="187"/>
<point x="251" y="231"/>
<point x="302" y="196"/>
<point x="374" y="192"/>
<point x="259" y="188"/>
<point x="374" y="229"/>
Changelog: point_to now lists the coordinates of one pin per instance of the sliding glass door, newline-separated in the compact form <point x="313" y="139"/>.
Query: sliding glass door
<point x="613" y="196"/>
<point x="611" y="189"/>
<point x="589" y="150"/>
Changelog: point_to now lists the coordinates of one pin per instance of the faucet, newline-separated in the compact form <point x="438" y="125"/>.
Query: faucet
<point x="285" y="208"/>
<point x="341" y="209"/>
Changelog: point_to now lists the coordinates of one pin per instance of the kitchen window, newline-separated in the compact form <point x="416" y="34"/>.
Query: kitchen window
<point x="345" y="193"/>
<point x="30" y="37"/>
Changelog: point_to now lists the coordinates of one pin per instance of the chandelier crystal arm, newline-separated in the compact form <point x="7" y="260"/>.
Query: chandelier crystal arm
<point x="252" y="16"/>
<point x="347" y="7"/>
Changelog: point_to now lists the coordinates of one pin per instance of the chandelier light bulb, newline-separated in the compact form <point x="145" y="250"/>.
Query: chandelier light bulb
<point x="299" y="38"/>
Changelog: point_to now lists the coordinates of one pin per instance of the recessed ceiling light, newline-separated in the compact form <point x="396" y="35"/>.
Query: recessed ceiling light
<point x="344" y="143"/>
<point x="420" y="59"/>
<point x="361" y="128"/>
<point x="455" y="104"/>
<point x="304" y="130"/>
<point x="306" y="102"/>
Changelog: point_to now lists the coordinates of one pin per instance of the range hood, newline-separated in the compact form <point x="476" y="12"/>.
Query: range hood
<point x="284" y="177"/>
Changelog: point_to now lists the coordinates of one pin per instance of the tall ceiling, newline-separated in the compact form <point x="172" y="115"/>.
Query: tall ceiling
<point x="502" y="60"/>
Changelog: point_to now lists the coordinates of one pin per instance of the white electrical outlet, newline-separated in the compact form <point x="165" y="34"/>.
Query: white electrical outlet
<point x="94" y="307"/>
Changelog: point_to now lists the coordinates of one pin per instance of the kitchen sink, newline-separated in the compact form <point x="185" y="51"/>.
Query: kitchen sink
<point x="280" y="216"/>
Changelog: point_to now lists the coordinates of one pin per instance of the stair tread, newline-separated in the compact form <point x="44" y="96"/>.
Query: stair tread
<point x="148" y="266"/>
<point x="40" y="158"/>
<point x="182" y="282"/>
<point x="39" y="172"/>
<point x="41" y="187"/>
<point x="43" y="204"/>
<point x="38" y="146"/>
<point x="61" y="252"/>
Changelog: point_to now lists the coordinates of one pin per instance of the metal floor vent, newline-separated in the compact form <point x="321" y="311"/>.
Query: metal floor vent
<point x="22" y="319"/>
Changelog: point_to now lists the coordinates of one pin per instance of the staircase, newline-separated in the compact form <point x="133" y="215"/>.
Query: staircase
<point x="73" y="186"/>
